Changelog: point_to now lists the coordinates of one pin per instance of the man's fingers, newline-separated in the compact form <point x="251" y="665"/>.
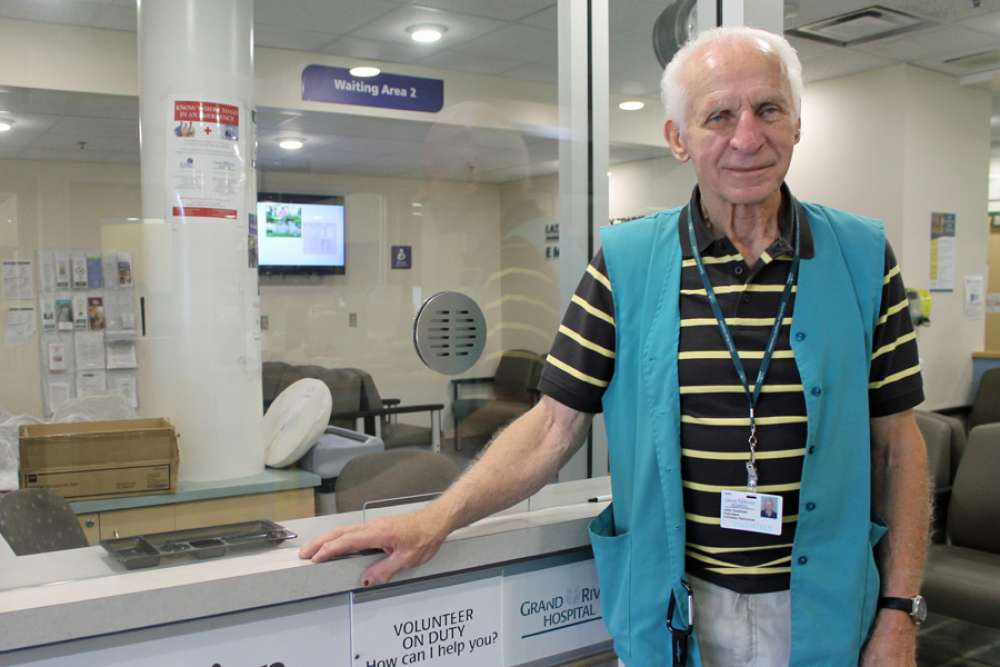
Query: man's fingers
<point x="309" y="550"/>
<point x="348" y="543"/>
<point x="384" y="570"/>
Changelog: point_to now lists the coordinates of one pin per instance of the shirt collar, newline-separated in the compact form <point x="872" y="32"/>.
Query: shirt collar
<point x="704" y="237"/>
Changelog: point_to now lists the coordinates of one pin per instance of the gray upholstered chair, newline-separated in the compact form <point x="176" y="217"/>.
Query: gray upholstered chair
<point x="942" y="459"/>
<point x="985" y="407"/>
<point x="514" y="392"/>
<point x="344" y="384"/>
<point x="381" y="418"/>
<point x="34" y="521"/>
<point x="963" y="576"/>
<point x="393" y="474"/>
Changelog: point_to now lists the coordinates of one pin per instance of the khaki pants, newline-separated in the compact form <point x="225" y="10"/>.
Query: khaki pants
<point x="736" y="630"/>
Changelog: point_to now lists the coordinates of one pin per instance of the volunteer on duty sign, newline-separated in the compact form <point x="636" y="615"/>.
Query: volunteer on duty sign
<point x="387" y="91"/>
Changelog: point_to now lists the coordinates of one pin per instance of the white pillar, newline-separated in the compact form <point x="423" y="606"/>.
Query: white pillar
<point x="201" y="353"/>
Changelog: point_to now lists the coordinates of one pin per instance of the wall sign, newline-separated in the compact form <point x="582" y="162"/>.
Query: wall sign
<point x="942" y="252"/>
<point x="451" y="625"/>
<point x="551" y="611"/>
<point x="387" y="91"/>
<point x="402" y="257"/>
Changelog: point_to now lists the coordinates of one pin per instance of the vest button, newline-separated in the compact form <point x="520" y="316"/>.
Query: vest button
<point x="800" y="335"/>
<point x="803" y="560"/>
<point x="810" y="506"/>
<point x="816" y="391"/>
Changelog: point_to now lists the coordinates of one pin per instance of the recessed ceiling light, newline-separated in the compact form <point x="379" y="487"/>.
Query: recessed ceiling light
<point x="631" y="105"/>
<point x="291" y="144"/>
<point x="5" y="125"/>
<point x="365" y="71"/>
<point x="426" y="34"/>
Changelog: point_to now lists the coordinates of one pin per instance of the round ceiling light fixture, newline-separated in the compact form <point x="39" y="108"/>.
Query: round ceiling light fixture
<point x="365" y="71"/>
<point x="291" y="144"/>
<point x="6" y="125"/>
<point x="426" y="33"/>
<point x="631" y="105"/>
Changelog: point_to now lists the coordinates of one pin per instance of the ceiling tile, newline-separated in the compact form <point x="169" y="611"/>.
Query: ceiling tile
<point x="284" y="38"/>
<point x="943" y="10"/>
<point x="98" y="133"/>
<point x="809" y="49"/>
<point x="283" y="13"/>
<point x="633" y="68"/>
<point x="392" y="27"/>
<point x="936" y="43"/>
<point x="533" y="44"/>
<point x="635" y="18"/>
<point x="62" y="154"/>
<point x="547" y="19"/>
<point x="508" y="10"/>
<point x="468" y="62"/>
<point x="987" y="23"/>
<point x="344" y="17"/>
<point x="842" y="63"/>
<point x="387" y="52"/>
<point x="541" y="72"/>
<point x="27" y="128"/>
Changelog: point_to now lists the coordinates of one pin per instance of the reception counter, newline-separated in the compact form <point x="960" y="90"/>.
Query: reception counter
<point x="516" y="588"/>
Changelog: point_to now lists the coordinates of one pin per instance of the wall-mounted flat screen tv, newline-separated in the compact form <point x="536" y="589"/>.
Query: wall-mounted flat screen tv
<point x="300" y="233"/>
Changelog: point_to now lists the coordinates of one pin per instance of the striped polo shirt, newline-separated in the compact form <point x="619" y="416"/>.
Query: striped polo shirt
<point x="714" y="420"/>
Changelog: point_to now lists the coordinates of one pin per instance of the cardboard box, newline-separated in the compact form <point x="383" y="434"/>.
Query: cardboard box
<point x="104" y="459"/>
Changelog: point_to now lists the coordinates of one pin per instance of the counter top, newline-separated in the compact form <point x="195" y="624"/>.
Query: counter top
<point x="81" y="592"/>
<point x="990" y="354"/>
<point x="267" y="481"/>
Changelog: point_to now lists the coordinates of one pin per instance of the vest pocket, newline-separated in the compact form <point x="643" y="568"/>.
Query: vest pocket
<point x="876" y="530"/>
<point x="612" y="555"/>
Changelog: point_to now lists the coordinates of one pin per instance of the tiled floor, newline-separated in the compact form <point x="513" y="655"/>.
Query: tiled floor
<point x="948" y="642"/>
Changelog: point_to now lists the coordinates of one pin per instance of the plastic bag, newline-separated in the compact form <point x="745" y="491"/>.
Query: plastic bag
<point x="9" y="457"/>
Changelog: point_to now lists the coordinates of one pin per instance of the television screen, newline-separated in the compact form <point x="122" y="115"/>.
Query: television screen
<point x="300" y="233"/>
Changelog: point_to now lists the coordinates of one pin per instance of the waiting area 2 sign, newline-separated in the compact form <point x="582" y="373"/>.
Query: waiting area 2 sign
<point x="387" y="91"/>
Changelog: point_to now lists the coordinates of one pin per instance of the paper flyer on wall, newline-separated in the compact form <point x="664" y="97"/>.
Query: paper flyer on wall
<point x="95" y="313"/>
<point x="57" y="359"/>
<point x="78" y="262"/>
<point x="206" y="175"/>
<point x="63" y="280"/>
<point x="91" y="383"/>
<point x="46" y="272"/>
<point x="89" y="347"/>
<point x="64" y="312"/>
<point x="48" y="308"/>
<point x="121" y="354"/>
<point x="80" y="321"/>
<point x="974" y="303"/>
<point x="18" y="279"/>
<point x="124" y="269"/>
<point x="57" y="393"/>
<point x="942" y="277"/>
<point x="109" y="269"/>
<point x="125" y="385"/>
<point x="118" y="311"/>
<point x="20" y="327"/>
<point x="95" y="272"/>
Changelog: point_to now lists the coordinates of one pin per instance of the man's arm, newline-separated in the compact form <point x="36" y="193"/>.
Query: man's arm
<point x="900" y="495"/>
<point x="518" y="463"/>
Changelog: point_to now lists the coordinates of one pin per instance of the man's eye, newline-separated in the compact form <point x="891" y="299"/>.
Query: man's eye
<point x="718" y="116"/>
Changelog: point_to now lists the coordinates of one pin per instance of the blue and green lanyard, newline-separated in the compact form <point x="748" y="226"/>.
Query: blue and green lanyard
<point x="713" y="301"/>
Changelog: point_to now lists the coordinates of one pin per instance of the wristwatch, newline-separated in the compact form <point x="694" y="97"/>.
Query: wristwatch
<point x="915" y="607"/>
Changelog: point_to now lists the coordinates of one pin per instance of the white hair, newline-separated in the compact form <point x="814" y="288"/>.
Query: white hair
<point x="673" y="91"/>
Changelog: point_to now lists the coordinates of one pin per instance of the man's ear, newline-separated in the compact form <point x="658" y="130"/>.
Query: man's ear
<point x="673" y="136"/>
<point x="798" y="129"/>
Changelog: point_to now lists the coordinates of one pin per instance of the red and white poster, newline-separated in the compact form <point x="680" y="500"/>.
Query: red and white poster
<point x="206" y="165"/>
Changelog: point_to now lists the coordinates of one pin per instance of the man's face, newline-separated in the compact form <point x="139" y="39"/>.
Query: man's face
<point x="741" y="124"/>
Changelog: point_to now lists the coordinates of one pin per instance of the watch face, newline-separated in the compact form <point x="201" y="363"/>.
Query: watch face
<point x="919" y="609"/>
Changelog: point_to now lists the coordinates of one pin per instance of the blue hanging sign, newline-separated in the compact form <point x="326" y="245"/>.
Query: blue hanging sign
<point x="388" y="91"/>
<point x="402" y="257"/>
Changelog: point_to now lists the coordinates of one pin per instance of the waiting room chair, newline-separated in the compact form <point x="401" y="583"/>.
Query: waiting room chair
<point x="34" y="521"/>
<point x="515" y="390"/>
<point x="937" y="434"/>
<point x="393" y="474"/>
<point x="380" y="415"/>
<point x="985" y="407"/>
<point x="962" y="578"/>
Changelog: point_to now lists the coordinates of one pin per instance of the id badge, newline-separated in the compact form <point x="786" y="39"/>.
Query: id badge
<point x="751" y="511"/>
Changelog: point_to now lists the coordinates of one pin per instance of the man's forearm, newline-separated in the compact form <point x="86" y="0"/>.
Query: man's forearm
<point x="900" y="495"/>
<point x="519" y="461"/>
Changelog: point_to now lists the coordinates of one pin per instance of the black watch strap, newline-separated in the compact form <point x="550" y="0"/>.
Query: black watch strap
<point x="902" y="604"/>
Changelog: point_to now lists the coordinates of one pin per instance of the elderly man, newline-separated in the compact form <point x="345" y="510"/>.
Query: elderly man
<point x="753" y="355"/>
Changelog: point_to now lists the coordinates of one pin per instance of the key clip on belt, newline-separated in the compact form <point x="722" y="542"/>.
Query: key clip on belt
<point x="680" y="636"/>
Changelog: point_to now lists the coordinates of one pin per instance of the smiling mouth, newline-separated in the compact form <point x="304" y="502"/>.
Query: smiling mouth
<point x="748" y="170"/>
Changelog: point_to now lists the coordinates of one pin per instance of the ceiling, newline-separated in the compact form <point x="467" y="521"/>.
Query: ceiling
<point x="511" y="39"/>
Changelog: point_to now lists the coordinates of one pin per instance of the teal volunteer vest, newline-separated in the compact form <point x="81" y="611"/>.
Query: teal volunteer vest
<point x="638" y="540"/>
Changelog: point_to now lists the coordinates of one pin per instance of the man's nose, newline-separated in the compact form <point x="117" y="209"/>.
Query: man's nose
<point x="748" y="136"/>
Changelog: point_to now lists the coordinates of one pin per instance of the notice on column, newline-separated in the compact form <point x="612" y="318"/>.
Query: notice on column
<point x="206" y="175"/>
<point x="451" y="625"/>
<point x="942" y="252"/>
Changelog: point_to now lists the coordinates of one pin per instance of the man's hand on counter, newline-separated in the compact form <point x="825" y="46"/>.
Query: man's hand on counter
<point x="408" y="541"/>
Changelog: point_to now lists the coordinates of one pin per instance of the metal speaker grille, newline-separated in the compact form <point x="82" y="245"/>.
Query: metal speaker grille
<point x="449" y="332"/>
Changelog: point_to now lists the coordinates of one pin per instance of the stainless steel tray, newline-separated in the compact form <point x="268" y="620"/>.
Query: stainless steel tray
<point x="209" y="542"/>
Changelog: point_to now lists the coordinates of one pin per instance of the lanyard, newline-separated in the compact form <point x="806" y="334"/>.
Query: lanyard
<point x="765" y="362"/>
